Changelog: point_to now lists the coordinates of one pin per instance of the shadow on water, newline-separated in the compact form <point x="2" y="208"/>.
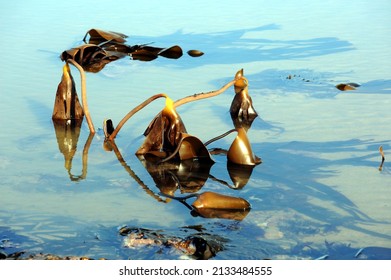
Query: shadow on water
<point x="293" y="174"/>
<point x="244" y="45"/>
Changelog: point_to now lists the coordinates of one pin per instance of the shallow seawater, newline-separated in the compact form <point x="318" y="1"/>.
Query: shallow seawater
<point x="318" y="190"/>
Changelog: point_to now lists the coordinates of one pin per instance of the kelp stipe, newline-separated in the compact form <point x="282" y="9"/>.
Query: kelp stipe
<point x="67" y="106"/>
<point x="113" y="134"/>
<point x="84" y="95"/>
<point x="190" y="147"/>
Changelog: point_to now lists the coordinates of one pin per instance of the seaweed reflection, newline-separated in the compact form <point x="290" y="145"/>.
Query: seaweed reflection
<point x="187" y="176"/>
<point x="67" y="138"/>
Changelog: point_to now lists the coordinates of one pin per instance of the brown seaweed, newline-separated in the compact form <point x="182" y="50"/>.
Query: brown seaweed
<point x="66" y="105"/>
<point x="92" y="58"/>
<point x="84" y="95"/>
<point x="242" y="110"/>
<point x="195" y="53"/>
<point x="102" y="47"/>
<point x="164" y="132"/>
<point x="347" y="86"/>
<point x="240" y="151"/>
<point x="214" y="205"/>
<point x="98" y="36"/>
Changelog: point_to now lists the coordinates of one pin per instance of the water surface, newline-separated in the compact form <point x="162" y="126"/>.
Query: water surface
<point x="318" y="190"/>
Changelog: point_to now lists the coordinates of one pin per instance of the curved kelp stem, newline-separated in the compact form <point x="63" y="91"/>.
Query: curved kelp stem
<point x="132" y="174"/>
<point x="220" y="136"/>
<point x="225" y="183"/>
<point x="182" y="199"/>
<point x="84" y="161"/>
<point x="132" y="112"/>
<point x="83" y="94"/>
<point x="203" y="95"/>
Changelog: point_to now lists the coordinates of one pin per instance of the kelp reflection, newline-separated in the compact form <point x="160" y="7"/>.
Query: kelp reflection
<point x="67" y="138"/>
<point x="188" y="176"/>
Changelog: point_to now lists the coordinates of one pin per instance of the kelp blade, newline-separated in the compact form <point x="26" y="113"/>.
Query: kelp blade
<point x="173" y="52"/>
<point x="98" y="36"/>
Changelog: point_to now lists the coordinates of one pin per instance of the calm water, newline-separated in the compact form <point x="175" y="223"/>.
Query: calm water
<point x="318" y="190"/>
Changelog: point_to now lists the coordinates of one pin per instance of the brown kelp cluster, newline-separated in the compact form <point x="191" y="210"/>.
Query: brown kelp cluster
<point x="175" y="158"/>
<point x="166" y="136"/>
<point x="102" y="47"/>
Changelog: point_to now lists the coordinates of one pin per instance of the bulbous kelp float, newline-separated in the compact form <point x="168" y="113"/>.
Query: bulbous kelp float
<point x="215" y="205"/>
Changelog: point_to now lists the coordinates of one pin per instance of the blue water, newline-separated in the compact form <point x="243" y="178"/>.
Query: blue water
<point x="318" y="190"/>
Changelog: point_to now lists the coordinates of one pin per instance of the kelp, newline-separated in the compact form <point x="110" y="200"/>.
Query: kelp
<point x="164" y="132"/>
<point x="175" y="159"/>
<point x="195" y="53"/>
<point x="214" y="205"/>
<point x="92" y="58"/>
<point x="242" y="110"/>
<point x="166" y="136"/>
<point x="97" y="36"/>
<point x="66" y="105"/>
<point x="84" y="95"/>
<point x="347" y="86"/>
<point x="240" y="151"/>
<point x="102" y="47"/>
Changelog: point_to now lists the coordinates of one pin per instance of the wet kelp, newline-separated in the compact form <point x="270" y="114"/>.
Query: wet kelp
<point x="102" y="47"/>
<point x="215" y="205"/>
<point x="167" y="137"/>
<point x="175" y="159"/>
<point x="66" y="105"/>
